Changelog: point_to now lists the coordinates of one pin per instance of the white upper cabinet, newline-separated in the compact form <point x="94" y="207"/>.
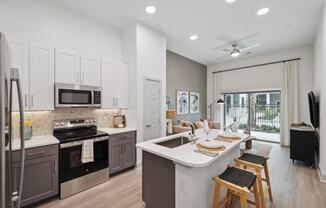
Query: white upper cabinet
<point x="122" y="85"/>
<point x="108" y="84"/>
<point x="114" y="85"/>
<point x="90" y="71"/>
<point x="73" y="68"/>
<point x="41" y="77"/>
<point x="36" y="66"/>
<point x="67" y="66"/>
<point x="18" y="51"/>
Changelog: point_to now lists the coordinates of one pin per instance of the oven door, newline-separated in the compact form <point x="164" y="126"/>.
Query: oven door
<point x="71" y="166"/>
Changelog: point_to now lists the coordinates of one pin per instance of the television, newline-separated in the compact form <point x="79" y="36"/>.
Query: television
<point x="313" y="109"/>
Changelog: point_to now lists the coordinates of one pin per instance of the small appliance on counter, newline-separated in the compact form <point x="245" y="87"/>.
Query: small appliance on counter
<point x="119" y="121"/>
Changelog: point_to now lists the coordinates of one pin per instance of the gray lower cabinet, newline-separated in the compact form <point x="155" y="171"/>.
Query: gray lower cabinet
<point x="122" y="151"/>
<point x="41" y="178"/>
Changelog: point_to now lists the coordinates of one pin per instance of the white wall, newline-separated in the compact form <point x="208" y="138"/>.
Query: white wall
<point x="151" y="49"/>
<point x="145" y="53"/>
<point x="43" y="22"/>
<point x="263" y="77"/>
<point x="262" y="80"/>
<point x="320" y="88"/>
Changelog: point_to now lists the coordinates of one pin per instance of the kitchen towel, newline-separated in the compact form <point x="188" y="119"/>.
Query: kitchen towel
<point x="87" y="151"/>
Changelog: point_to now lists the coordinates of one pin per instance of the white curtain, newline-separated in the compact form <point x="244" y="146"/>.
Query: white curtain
<point x="217" y="89"/>
<point x="289" y="100"/>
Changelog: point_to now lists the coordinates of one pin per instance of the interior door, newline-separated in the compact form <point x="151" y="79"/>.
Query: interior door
<point x="41" y="65"/>
<point x="67" y="66"/>
<point x="19" y="59"/>
<point x="152" y="109"/>
<point x="108" y="84"/>
<point x="90" y="71"/>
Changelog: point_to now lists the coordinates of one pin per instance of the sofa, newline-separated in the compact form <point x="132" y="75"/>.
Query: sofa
<point x="183" y="127"/>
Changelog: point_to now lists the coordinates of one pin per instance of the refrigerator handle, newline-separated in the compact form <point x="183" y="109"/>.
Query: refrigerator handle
<point x="17" y="194"/>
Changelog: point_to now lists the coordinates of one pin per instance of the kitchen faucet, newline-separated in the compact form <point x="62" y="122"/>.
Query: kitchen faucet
<point x="192" y="134"/>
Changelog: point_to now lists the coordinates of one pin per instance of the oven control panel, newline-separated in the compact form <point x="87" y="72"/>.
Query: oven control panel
<point x="74" y="123"/>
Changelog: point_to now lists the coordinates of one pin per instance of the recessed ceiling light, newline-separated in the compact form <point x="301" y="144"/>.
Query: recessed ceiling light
<point x="262" y="11"/>
<point x="229" y="1"/>
<point x="193" y="37"/>
<point x="150" y="9"/>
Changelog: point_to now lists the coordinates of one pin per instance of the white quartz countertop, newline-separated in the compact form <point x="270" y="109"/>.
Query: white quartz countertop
<point x="36" y="141"/>
<point x="112" y="131"/>
<point x="185" y="154"/>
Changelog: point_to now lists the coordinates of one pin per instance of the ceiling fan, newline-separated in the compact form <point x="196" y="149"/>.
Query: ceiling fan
<point x="236" y="51"/>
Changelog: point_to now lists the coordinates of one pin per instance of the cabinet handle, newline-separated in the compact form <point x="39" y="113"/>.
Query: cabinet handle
<point x="117" y="101"/>
<point x="83" y="78"/>
<point x="78" y="76"/>
<point x="32" y="100"/>
<point x="25" y="100"/>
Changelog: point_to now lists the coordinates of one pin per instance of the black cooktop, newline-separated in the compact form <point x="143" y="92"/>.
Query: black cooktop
<point x="79" y="133"/>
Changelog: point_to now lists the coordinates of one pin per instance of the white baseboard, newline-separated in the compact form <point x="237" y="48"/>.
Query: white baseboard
<point x="322" y="178"/>
<point x="139" y="165"/>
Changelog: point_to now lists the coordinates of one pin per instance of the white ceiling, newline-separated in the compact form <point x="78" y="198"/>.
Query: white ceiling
<point x="289" y="24"/>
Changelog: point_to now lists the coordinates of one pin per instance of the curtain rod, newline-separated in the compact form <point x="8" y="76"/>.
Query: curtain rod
<point x="257" y="65"/>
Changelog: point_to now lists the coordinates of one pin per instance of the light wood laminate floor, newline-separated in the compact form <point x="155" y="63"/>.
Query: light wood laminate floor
<point x="294" y="186"/>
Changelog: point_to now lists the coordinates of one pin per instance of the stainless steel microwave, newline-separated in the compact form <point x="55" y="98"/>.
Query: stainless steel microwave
<point x="78" y="96"/>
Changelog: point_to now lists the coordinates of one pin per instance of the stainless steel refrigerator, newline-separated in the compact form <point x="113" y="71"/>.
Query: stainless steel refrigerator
<point x="10" y="193"/>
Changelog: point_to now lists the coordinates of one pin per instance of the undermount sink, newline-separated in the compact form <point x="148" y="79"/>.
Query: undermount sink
<point x="176" y="142"/>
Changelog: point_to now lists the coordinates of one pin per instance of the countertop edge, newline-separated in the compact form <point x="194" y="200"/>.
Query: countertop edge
<point x="36" y="141"/>
<point x="145" y="146"/>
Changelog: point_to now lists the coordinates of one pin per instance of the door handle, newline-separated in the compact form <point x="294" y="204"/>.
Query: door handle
<point x="148" y="126"/>
<point x="15" y="78"/>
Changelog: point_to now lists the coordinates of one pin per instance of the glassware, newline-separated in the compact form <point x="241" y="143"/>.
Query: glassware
<point x="28" y="129"/>
<point x="207" y="131"/>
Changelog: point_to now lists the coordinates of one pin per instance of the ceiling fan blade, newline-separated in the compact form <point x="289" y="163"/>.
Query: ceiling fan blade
<point x="221" y="57"/>
<point x="226" y="50"/>
<point x="249" y="47"/>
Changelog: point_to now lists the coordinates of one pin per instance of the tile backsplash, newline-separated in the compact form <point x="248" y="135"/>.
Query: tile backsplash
<point x="43" y="120"/>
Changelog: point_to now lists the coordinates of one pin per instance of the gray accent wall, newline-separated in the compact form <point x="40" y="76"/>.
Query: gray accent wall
<point x="185" y="74"/>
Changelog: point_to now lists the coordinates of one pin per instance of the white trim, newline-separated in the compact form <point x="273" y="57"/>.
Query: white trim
<point x="139" y="165"/>
<point x="322" y="178"/>
<point x="253" y="90"/>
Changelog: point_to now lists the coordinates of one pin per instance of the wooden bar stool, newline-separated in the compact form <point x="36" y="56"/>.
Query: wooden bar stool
<point x="257" y="163"/>
<point x="238" y="182"/>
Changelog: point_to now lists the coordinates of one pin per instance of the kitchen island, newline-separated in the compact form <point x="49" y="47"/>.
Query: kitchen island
<point x="174" y="175"/>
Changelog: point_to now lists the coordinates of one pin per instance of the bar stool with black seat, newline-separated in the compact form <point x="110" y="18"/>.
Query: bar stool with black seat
<point x="238" y="182"/>
<point x="257" y="163"/>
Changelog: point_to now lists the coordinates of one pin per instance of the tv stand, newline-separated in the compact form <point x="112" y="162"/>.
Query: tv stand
<point x="304" y="145"/>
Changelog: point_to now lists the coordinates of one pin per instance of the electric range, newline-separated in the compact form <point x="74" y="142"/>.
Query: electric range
<point x="76" y="176"/>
